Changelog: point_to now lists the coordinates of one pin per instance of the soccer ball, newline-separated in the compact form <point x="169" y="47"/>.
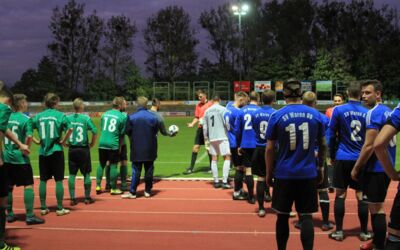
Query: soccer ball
<point x="173" y="129"/>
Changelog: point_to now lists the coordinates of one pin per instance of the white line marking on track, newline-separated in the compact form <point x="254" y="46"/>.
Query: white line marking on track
<point x="150" y="231"/>
<point x="163" y="199"/>
<point x="171" y="213"/>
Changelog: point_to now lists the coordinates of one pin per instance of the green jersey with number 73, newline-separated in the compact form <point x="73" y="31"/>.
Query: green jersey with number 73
<point x="50" y="124"/>
<point x="112" y="129"/>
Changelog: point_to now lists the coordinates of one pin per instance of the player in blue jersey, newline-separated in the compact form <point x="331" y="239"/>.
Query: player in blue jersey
<point x="230" y="118"/>
<point x="310" y="99"/>
<point x="383" y="141"/>
<point x="246" y="140"/>
<point x="297" y="129"/>
<point x="260" y="124"/>
<point x="346" y="138"/>
<point x="374" y="182"/>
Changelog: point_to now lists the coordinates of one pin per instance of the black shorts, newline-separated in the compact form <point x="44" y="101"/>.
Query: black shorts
<point x="394" y="222"/>
<point x="258" y="162"/>
<point x="199" y="139"/>
<point x="247" y="156"/>
<point x="375" y="186"/>
<point x="236" y="158"/>
<point x="325" y="182"/>
<point x="79" y="159"/>
<point x="3" y="182"/>
<point x="108" y="155"/>
<point x="19" y="174"/>
<point x="123" y="155"/>
<point x="302" y="192"/>
<point x="342" y="175"/>
<point x="52" y="165"/>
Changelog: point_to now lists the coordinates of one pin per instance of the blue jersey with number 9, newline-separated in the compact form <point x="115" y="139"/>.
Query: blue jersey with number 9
<point x="260" y="124"/>
<point x="295" y="128"/>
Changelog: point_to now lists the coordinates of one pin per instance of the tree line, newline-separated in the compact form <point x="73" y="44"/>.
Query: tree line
<point x="94" y="58"/>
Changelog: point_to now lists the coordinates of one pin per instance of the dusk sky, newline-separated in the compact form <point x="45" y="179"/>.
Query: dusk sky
<point x="24" y="32"/>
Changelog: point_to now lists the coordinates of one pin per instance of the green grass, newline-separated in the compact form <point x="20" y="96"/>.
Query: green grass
<point x="174" y="153"/>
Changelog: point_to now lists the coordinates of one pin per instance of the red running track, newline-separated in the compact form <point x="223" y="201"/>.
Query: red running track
<point x="181" y="215"/>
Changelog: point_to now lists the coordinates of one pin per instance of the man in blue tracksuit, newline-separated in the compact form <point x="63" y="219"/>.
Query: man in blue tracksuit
<point x="142" y="128"/>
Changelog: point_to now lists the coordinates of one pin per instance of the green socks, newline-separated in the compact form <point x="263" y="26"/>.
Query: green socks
<point x="10" y="203"/>
<point x="71" y="186"/>
<point x="42" y="194"/>
<point x="108" y="175"/>
<point x="28" y="200"/>
<point x="99" y="175"/>
<point x="59" y="194"/>
<point x="87" y="184"/>
<point x="113" y="176"/>
<point x="2" y="225"/>
<point x="123" y="174"/>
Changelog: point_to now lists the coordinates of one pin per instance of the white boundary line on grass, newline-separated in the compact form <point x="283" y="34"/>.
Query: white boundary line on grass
<point x="155" y="178"/>
<point x="151" y="231"/>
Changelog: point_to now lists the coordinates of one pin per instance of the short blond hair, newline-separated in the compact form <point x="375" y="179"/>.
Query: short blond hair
<point x="309" y="98"/>
<point x="17" y="100"/>
<point x="117" y="102"/>
<point x="51" y="100"/>
<point x="78" y="103"/>
<point x="142" y="101"/>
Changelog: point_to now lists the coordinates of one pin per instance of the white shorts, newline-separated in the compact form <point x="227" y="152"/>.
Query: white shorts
<point x="220" y="148"/>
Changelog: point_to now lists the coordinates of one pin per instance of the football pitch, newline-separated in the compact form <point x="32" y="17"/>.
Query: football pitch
<point x="174" y="153"/>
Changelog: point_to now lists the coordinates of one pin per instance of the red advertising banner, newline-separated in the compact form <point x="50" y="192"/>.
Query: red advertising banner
<point x="244" y="86"/>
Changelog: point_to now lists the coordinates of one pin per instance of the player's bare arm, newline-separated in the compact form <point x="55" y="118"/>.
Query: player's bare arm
<point x="194" y="121"/>
<point x="321" y="158"/>
<point x="93" y="142"/>
<point x="23" y="147"/>
<point x="269" y="160"/>
<point x="66" y="137"/>
<point x="366" y="152"/>
<point x="382" y="140"/>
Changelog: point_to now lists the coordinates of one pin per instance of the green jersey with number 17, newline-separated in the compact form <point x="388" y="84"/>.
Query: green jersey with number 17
<point x="112" y="129"/>
<point x="50" y="124"/>
<point x="81" y="124"/>
<point x="20" y="126"/>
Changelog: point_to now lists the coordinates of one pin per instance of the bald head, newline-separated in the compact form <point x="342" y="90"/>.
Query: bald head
<point x="310" y="99"/>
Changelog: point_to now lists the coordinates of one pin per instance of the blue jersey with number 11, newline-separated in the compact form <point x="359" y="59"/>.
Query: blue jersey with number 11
<point x="295" y="128"/>
<point x="245" y="135"/>
<point x="260" y="124"/>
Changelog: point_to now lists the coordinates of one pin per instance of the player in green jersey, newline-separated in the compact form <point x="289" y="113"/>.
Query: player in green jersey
<point x="18" y="167"/>
<point x="112" y="131"/>
<point x="50" y="124"/>
<point x="79" y="150"/>
<point x="123" y="158"/>
<point x="5" y="112"/>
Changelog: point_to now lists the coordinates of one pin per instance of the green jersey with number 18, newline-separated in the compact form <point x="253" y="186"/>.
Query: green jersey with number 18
<point x="21" y="127"/>
<point x="112" y="129"/>
<point x="81" y="124"/>
<point x="50" y="124"/>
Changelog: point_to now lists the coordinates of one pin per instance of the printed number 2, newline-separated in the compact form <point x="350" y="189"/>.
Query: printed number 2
<point x="247" y="118"/>
<point x="291" y="128"/>
<point x="356" y="126"/>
